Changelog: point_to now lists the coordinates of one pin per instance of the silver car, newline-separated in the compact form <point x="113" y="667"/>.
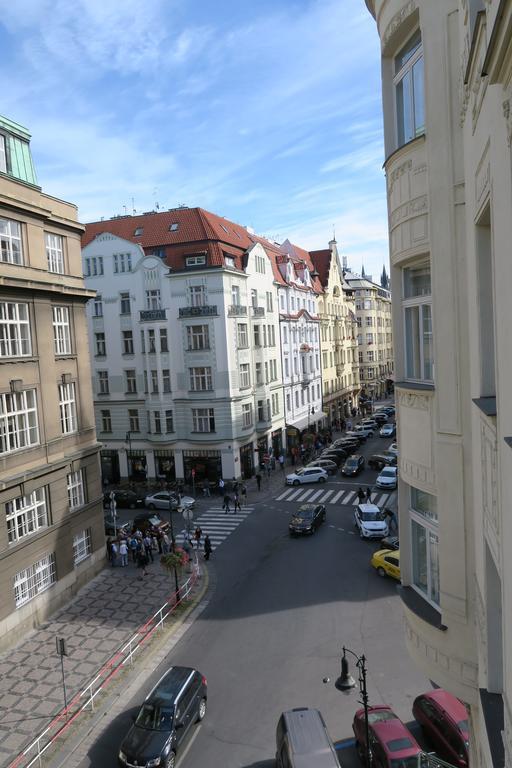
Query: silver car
<point x="164" y="500"/>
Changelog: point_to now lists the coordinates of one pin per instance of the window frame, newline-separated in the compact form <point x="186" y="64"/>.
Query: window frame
<point x="429" y="524"/>
<point x="24" y="414"/>
<point x="67" y="408"/>
<point x="194" y="337"/>
<point x="61" y="330"/>
<point x="12" y="340"/>
<point x="247" y="416"/>
<point x="75" y="483"/>
<point x="54" y="245"/>
<point x="38" y="577"/>
<point x="406" y="72"/>
<point x="8" y="239"/>
<point x="414" y="348"/>
<point x="199" y="376"/>
<point x="31" y="513"/>
<point x="203" y="420"/>
<point x="81" y="546"/>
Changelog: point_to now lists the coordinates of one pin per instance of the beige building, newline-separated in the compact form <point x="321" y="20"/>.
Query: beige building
<point x="338" y="336"/>
<point x="447" y="100"/>
<point x="374" y="335"/>
<point x="51" y="534"/>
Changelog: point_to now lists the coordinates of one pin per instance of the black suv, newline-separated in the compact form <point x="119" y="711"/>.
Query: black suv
<point x="307" y="519"/>
<point x="124" y="498"/>
<point x="176" y="702"/>
<point x="380" y="460"/>
<point x="353" y="465"/>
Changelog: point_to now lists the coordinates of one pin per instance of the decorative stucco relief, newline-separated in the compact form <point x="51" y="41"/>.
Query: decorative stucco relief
<point x="461" y="669"/>
<point x="403" y="212"/>
<point x="398" y="171"/>
<point x="414" y="400"/>
<point x="507" y="113"/>
<point x="397" y="20"/>
<point x="489" y="480"/>
<point x="481" y="625"/>
<point x="413" y="472"/>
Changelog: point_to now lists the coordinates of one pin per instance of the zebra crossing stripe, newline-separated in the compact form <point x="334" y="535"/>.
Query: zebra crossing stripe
<point x="305" y="495"/>
<point x="336" y="497"/>
<point x="295" y="494"/>
<point x="326" y="496"/>
<point x="283" y="495"/>
<point x="316" y="495"/>
<point x="348" y="498"/>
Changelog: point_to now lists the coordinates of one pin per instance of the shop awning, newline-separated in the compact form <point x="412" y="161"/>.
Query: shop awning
<point x="303" y="422"/>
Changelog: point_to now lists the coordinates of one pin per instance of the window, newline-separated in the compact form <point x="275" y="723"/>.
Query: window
<point x="275" y="403"/>
<point x="235" y="295"/>
<point x="154" y="382"/>
<point x="288" y="402"/>
<point x="62" y="331"/>
<point x="369" y="338"/>
<point x="164" y="347"/>
<point x="286" y="367"/>
<point x="55" y="253"/>
<point x="257" y="337"/>
<point x="81" y="546"/>
<point x="409" y="89"/>
<point x="369" y="321"/>
<point x="131" y="381"/>
<point x="138" y="231"/>
<point x="425" y="544"/>
<point x="269" y="302"/>
<point x="106" y="421"/>
<point x="247" y="415"/>
<point x="169" y="424"/>
<point x="15" y="338"/>
<point x="26" y="515"/>
<point x="203" y="420"/>
<point x="198" y="337"/>
<point x="18" y="421"/>
<point x="3" y="155"/>
<point x="98" y="307"/>
<point x="103" y="387"/>
<point x="245" y="376"/>
<point x="99" y="341"/>
<point x="196" y="261"/>
<point x="10" y="242"/>
<point x="261" y="410"/>
<point x="260" y="264"/>
<point x="122" y="262"/>
<point x="142" y="342"/>
<point x="151" y="340"/>
<point x="419" y="363"/>
<point x="370" y="356"/>
<point x="197" y="295"/>
<point x="243" y="340"/>
<point x="153" y="299"/>
<point x="146" y="390"/>
<point x="125" y="304"/>
<point x="75" y="484"/>
<point x="33" y="580"/>
<point x="259" y="375"/>
<point x="200" y="379"/>
<point x="166" y="379"/>
<point x="158" y="422"/>
<point x="296" y="399"/>
<point x="67" y="405"/>
<point x="174" y="226"/>
<point x="133" y="418"/>
<point x="127" y="343"/>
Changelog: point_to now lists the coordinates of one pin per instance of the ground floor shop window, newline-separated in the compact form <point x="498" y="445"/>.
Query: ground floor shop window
<point x="110" y="472"/>
<point x="206" y="465"/>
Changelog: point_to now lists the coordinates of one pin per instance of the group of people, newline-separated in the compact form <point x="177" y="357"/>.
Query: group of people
<point x="139" y="547"/>
<point x="189" y="543"/>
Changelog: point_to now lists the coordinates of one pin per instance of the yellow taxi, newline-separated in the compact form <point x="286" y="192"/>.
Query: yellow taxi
<point x="387" y="562"/>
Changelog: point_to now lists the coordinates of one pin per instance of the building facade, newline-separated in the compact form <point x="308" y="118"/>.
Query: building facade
<point x="52" y="537"/>
<point x="447" y="79"/>
<point x="338" y="337"/>
<point x="187" y="357"/>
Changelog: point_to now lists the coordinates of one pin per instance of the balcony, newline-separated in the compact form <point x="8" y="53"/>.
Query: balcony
<point x="152" y="314"/>
<point x="339" y="369"/>
<point x="258" y="311"/>
<point x="306" y="379"/>
<point x="202" y="311"/>
<point x="237" y="310"/>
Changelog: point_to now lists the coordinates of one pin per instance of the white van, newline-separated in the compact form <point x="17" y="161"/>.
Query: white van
<point x="302" y="741"/>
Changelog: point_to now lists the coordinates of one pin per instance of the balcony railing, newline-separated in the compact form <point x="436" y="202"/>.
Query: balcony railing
<point x="306" y="379"/>
<point x="152" y="314"/>
<point x="339" y="369"/>
<point x="201" y="311"/>
<point x="258" y="311"/>
<point x="236" y="310"/>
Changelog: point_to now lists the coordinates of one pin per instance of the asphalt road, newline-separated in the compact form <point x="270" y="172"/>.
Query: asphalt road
<point x="280" y="610"/>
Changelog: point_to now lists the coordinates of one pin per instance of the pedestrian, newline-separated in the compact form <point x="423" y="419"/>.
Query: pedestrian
<point x="237" y="503"/>
<point x="281" y="462"/>
<point x="390" y="519"/>
<point x="225" y="506"/>
<point x="221" y="486"/>
<point x="368" y="494"/>
<point x="234" y="487"/>
<point x="114" y="550"/>
<point x="349" y="425"/>
<point x="360" y="495"/>
<point x="206" y="487"/>
<point x="258" y="480"/>
<point x="142" y="561"/>
<point x="133" y="548"/>
<point x="148" y="547"/>
<point x="243" y="494"/>
<point x="123" y="553"/>
<point x="166" y="544"/>
<point x="159" y="542"/>
<point x="207" y="547"/>
<point x="197" y="535"/>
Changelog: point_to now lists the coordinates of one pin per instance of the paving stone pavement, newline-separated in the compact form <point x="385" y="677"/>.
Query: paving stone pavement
<point x="95" y="624"/>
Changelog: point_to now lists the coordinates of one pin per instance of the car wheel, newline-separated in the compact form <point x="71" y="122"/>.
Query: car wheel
<point x="381" y="571"/>
<point x="296" y="482"/>
<point x="171" y="760"/>
<point x="151" y="506"/>
<point x="321" y="479"/>
<point x="201" y="712"/>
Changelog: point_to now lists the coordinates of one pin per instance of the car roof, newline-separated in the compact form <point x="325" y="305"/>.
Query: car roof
<point x="453" y="706"/>
<point x="388" y="731"/>
<point x="389" y="470"/>
<point x="355" y="456"/>
<point x="306" y="727"/>
<point x="385" y="552"/>
<point x="368" y="508"/>
<point x="171" y="683"/>
<point x="307" y="507"/>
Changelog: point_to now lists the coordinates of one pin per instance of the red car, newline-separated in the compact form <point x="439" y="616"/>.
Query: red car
<point x="392" y="745"/>
<point x="444" y="720"/>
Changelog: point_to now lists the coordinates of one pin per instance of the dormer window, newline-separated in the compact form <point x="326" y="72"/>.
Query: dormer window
<point x="138" y="232"/>
<point x="229" y="261"/>
<point x="174" y="226"/>
<point x="224" y="228"/>
<point x="197" y="260"/>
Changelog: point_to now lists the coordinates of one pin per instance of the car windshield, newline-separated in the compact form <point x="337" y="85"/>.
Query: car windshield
<point x="380" y="715"/>
<point x="155" y="717"/>
<point x="371" y="515"/>
<point x="351" y="462"/>
<point x="388" y="472"/>
<point x="300" y="472"/>
<point x="304" y="514"/>
<point x="406" y="762"/>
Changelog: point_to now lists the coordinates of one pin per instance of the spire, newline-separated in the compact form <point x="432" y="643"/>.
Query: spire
<point x="384" y="279"/>
<point x="363" y="273"/>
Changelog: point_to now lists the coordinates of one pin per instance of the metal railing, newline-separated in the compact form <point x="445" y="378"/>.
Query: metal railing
<point x="84" y="700"/>
<point x="201" y="311"/>
<point x="236" y="309"/>
<point x="152" y="314"/>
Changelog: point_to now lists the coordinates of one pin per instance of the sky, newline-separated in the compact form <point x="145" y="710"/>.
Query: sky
<point x="267" y="112"/>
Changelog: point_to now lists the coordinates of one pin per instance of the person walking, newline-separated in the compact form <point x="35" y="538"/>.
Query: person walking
<point x="281" y="462"/>
<point x="142" y="561"/>
<point x="123" y="553"/>
<point x="368" y="494"/>
<point x="390" y="519"/>
<point x="207" y="547"/>
<point x="148" y="547"/>
<point x="258" y="481"/>
<point x="360" y="495"/>
<point x="114" y="549"/>
<point x="206" y="487"/>
<point x="225" y="506"/>
<point x="197" y="536"/>
<point x="237" y="503"/>
<point x="166" y="544"/>
<point x="243" y="494"/>
<point x="221" y="486"/>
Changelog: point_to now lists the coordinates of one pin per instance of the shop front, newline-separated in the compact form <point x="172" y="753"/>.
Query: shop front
<point x="164" y="465"/>
<point x="110" y="467"/>
<point x="247" y="460"/>
<point x="137" y="467"/>
<point x="207" y="465"/>
<point x="277" y="442"/>
<point x="292" y="439"/>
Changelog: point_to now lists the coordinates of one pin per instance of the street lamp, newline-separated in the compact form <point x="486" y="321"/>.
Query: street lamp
<point x="129" y="441"/>
<point x="173" y="544"/>
<point x="346" y="682"/>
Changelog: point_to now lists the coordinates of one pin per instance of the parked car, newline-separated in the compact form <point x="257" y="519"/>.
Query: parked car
<point x="115" y="527"/>
<point x="144" y="520"/>
<point x="392" y="744"/>
<point x="387" y="562"/>
<point x="176" y="702"/>
<point x="393" y="448"/>
<point x="388" y="478"/>
<point x="328" y="464"/>
<point x="348" y="443"/>
<point x="365" y="430"/>
<point x="353" y="465"/>
<point x="387" y="430"/>
<point x="356" y="436"/>
<point x="380" y="460"/>
<point x="124" y="499"/>
<point x="380" y="417"/>
<point x="302" y="740"/>
<point x="341" y="452"/>
<point x="163" y="499"/>
<point x="390" y="542"/>
<point x="369" y="423"/>
<point x="307" y="519"/>
<point x="370" y="521"/>
<point x="307" y="475"/>
<point x="444" y="720"/>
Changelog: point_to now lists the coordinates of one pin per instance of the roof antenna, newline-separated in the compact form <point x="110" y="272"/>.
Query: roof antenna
<point x="133" y="207"/>
<point x="334" y="232"/>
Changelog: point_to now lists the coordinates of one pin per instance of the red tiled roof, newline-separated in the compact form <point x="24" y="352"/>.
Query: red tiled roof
<point x="322" y="262"/>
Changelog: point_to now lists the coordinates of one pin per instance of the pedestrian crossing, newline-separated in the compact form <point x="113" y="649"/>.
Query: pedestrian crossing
<point x="343" y="497"/>
<point x="217" y="524"/>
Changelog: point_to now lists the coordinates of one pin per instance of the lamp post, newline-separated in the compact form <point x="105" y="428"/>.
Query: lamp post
<point x="346" y="682"/>
<point x="129" y="441"/>
<point x="173" y="544"/>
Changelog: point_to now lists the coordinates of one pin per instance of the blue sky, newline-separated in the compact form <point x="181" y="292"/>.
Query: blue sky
<point x="268" y="113"/>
